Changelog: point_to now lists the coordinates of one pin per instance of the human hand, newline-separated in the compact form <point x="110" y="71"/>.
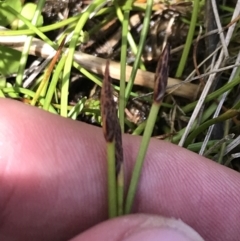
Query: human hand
<point x="54" y="185"/>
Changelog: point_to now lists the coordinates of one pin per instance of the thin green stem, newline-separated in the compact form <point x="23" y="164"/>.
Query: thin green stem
<point x="141" y="155"/>
<point x="2" y="85"/>
<point x="189" y="39"/>
<point x="54" y="81"/>
<point x="144" y="32"/>
<point x="224" y="144"/>
<point x="77" y="109"/>
<point x="176" y="138"/>
<point x="120" y="190"/>
<point x="130" y="39"/>
<point x="195" y="147"/>
<point x="98" y="26"/>
<point x="34" y="29"/>
<point x="138" y="131"/>
<point x="125" y="24"/>
<point x="27" y="45"/>
<point x="43" y="29"/>
<point x="97" y="80"/>
<point x="50" y="27"/>
<point x="112" y="188"/>
<point x="225" y="116"/>
<point x="69" y="60"/>
<point x="28" y="93"/>
<point x="213" y="95"/>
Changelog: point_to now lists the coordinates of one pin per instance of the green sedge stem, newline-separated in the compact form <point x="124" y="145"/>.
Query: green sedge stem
<point x="34" y="29"/>
<point x="138" y="131"/>
<point x="123" y="62"/>
<point x="225" y="116"/>
<point x="195" y="147"/>
<point x="224" y="144"/>
<point x="141" y="155"/>
<point x="50" y="27"/>
<point x="97" y="27"/>
<point x="189" y="39"/>
<point x="213" y="95"/>
<point x="120" y="190"/>
<point x="43" y="29"/>
<point x="216" y="94"/>
<point x="112" y="192"/>
<point x="130" y="39"/>
<point x="54" y="81"/>
<point x="144" y="32"/>
<point x="69" y="60"/>
<point x="29" y="93"/>
<point x="27" y="45"/>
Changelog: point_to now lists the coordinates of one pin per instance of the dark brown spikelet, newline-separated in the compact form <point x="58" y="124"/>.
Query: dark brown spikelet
<point x="108" y="107"/>
<point x="118" y="147"/>
<point x="161" y="76"/>
<point x="111" y="126"/>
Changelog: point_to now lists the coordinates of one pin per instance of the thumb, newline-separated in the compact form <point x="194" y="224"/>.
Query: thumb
<point x="140" y="227"/>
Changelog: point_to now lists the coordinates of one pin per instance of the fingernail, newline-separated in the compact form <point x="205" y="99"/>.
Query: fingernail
<point x="167" y="230"/>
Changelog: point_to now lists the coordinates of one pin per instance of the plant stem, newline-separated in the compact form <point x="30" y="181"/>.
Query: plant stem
<point x="213" y="95"/>
<point x="225" y="116"/>
<point x="120" y="190"/>
<point x="69" y="60"/>
<point x="143" y="36"/>
<point x="27" y="45"/>
<point x="141" y="155"/>
<point x="53" y="84"/>
<point x="130" y="39"/>
<point x="188" y="43"/>
<point x="112" y="190"/>
<point x="123" y="62"/>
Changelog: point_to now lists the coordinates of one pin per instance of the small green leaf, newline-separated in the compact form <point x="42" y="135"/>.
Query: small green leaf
<point x="7" y="18"/>
<point x="9" y="60"/>
<point x="27" y="12"/>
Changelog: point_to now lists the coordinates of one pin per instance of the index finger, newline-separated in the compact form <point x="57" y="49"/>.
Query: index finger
<point x="53" y="180"/>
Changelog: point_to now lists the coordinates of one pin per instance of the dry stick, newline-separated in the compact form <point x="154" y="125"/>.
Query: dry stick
<point x="143" y="78"/>
<point x="97" y="65"/>
<point x="233" y="21"/>
<point x="219" y="25"/>
<point x="232" y="145"/>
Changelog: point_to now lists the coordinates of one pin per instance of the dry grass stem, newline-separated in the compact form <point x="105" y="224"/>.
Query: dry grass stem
<point x="210" y="79"/>
<point x="219" y="26"/>
<point x="219" y="108"/>
<point x="97" y="65"/>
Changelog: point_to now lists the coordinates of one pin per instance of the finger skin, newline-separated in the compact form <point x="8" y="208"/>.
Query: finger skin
<point x="53" y="180"/>
<point x="140" y="227"/>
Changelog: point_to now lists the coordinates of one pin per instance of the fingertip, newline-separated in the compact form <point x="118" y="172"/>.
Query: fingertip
<point x="140" y="228"/>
